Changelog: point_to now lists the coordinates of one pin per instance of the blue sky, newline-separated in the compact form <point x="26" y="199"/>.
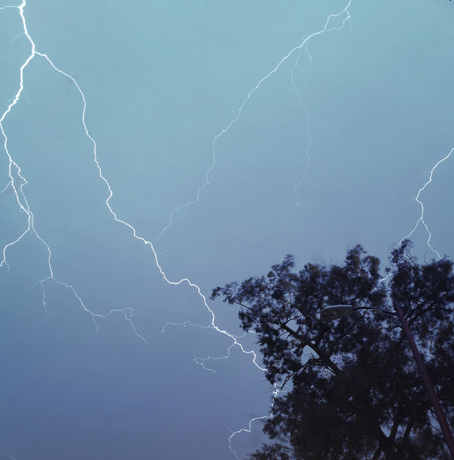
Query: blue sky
<point x="310" y="150"/>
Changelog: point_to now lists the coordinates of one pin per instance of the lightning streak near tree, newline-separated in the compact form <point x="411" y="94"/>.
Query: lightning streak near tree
<point x="421" y="204"/>
<point x="17" y="183"/>
<point x="15" y="172"/>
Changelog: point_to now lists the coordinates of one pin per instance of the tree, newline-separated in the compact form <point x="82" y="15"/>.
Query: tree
<point x="353" y="390"/>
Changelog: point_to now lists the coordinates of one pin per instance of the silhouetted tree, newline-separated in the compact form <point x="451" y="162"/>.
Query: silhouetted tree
<point x="353" y="388"/>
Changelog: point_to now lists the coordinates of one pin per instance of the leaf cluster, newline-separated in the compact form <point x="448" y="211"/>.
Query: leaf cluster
<point x="352" y="388"/>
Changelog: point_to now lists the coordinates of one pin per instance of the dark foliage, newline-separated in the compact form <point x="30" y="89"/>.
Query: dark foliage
<point x="353" y="388"/>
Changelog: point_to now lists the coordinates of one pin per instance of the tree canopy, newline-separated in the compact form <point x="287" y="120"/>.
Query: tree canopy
<point x="353" y="390"/>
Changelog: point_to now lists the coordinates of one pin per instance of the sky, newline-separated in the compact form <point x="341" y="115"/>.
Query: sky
<point x="153" y="150"/>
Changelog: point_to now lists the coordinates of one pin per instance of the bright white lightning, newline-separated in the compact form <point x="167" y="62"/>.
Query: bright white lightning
<point x="244" y="430"/>
<point x="14" y="171"/>
<point x="276" y="391"/>
<point x="421" y="204"/>
<point x="251" y="92"/>
<point x="23" y="204"/>
<point x="17" y="182"/>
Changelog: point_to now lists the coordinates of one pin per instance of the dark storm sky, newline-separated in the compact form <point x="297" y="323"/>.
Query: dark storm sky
<point x="358" y="118"/>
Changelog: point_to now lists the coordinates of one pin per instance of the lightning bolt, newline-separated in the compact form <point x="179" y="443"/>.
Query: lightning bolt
<point x="17" y="183"/>
<point x="24" y="206"/>
<point x="239" y="111"/>
<point x="276" y="391"/>
<point x="15" y="175"/>
<point x="244" y="430"/>
<point x="421" y="204"/>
